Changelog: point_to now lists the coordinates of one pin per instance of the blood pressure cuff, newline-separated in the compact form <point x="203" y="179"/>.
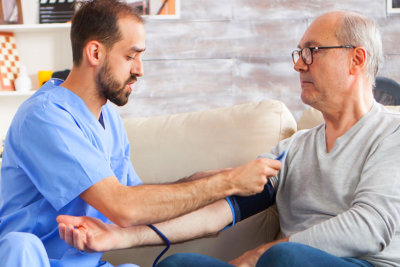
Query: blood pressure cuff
<point x="244" y="207"/>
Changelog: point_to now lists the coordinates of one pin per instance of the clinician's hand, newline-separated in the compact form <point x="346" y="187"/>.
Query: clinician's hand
<point x="89" y="234"/>
<point x="251" y="177"/>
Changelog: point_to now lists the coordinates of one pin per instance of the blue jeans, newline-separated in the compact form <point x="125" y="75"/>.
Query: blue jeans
<point x="287" y="254"/>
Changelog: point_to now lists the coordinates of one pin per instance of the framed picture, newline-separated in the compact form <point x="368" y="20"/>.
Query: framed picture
<point x="156" y="8"/>
<point x="10" y="12"/>
<point x="393" y="6"/>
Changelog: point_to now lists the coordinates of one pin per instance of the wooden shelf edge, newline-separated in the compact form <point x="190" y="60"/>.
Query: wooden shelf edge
<point x="14" y="93"/>
<point x="34" y="27"/>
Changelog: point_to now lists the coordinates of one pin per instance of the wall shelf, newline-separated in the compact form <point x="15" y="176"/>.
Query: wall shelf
<point x="35" y="27"/>
<point x="15" y="93"/>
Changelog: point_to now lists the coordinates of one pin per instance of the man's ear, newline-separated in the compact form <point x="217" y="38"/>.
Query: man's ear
<point x="358" y="60"/>
<point x="94" y="52"/>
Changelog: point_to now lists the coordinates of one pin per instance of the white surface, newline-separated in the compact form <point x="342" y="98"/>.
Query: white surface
<point x="23" y="83"/>
<point x="15" y="93"/>
<point x="35" y="27"/>
<point x="9" y="103"/>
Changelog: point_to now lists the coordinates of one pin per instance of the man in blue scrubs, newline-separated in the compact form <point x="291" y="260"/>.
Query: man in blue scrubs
<point x="66" y="151"/>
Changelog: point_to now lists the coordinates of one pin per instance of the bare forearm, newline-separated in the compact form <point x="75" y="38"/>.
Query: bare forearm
<point x="144" y="204"/>
<point x="163" y="202"/>
<point x="203" y="222"/>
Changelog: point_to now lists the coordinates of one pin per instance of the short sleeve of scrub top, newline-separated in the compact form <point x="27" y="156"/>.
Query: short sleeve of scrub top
<point x="60" y="157"/>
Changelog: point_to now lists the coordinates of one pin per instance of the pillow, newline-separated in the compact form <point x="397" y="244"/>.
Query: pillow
<point x="309" y="119"/>
<point x="312" y="117"/>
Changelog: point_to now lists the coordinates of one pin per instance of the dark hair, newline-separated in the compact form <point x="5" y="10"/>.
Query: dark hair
<point x="98" y="20"/>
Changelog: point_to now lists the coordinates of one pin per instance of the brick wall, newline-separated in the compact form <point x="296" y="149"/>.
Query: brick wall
<point x="226" y="52"/>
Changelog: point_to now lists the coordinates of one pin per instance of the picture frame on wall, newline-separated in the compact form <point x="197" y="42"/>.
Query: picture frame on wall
<point x="10" y="12"/>
<point x="156" y="8"/>
<point x="393" y="6"/>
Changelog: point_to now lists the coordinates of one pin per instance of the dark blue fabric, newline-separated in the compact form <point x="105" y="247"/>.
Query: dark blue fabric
<point x="287" y="254"/>
<point x="245" y="207"/>
<point x="192" y="260"/>
<point x="291" y="254"/>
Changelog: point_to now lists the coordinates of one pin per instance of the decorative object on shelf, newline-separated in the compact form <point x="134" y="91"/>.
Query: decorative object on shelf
<point x="9" y="61"/>
<point x="393" y="6"/>
<point x="23" y="82"/>
<point x="44" y="76"/>
<point x="56" y="11"/>
<point x="11" y="12"/>
<point x="1" y="147"/>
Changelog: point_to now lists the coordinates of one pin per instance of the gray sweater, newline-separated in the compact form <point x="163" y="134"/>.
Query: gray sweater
<point x="345" y="202"/>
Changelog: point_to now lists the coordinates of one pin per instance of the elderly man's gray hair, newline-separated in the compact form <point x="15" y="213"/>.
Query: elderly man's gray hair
<point x="358" y="30"/>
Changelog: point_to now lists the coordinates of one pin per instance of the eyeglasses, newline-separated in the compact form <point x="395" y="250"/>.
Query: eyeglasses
<point x="307" y="52"/>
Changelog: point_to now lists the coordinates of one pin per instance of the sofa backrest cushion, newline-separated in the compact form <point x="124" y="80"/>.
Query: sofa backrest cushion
<point x="170" y="147"/>
<point x="312" y="117"/>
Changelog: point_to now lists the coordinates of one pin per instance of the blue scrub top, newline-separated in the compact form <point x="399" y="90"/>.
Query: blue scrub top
<point x="54" y="150"/>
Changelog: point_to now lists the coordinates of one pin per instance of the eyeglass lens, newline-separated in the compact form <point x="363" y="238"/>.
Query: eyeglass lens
<point x="305" y="53"/>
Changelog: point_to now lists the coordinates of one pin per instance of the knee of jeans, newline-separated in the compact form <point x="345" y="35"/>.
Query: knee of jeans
<point x="21" y="241"/>
<point x="172" y="260"/>
<point x="278" y="255"/>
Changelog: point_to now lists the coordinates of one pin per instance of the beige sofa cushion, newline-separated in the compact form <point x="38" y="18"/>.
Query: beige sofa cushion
<point x="169" y="147"/>
<point x="312" y="117"/>
<point x="309" y="119"/>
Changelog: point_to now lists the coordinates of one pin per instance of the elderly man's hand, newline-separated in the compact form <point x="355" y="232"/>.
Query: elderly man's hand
<point x="250" y="258"/>
<point x="90" y="234"/>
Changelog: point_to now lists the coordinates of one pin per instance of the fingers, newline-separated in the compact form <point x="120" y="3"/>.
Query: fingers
<point x="70" y="220"/>
<point x="75" y="237"/>
<point x="90" y="240"/>
<point x="251" y="178"/>
<point x="69" y="235"/>
<point x="61" y="230"/>
<point x="78" y="238"/>
<point x="268" y="167"/>
<point x="272" y="163"/>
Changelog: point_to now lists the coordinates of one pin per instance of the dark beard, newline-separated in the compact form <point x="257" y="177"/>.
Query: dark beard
<point x="112" y="89"/>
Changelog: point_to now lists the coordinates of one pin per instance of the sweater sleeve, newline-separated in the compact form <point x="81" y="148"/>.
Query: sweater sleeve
<point x="374" y="215"/>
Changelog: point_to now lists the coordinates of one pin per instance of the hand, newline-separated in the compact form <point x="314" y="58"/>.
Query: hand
<point x="89" y="234"/>
<point x="250" y="178"/>
<point x="247" y="259"/>
<point x="250" y="258"/>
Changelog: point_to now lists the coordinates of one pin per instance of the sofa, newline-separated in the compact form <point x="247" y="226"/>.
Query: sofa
<point x="167" y="148"/>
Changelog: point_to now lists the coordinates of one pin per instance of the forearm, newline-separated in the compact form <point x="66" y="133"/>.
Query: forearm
<point x="163" y="202"/>
<point x="357" y="232"/>
<point x="206" y="221"/>
<point x="145" y="204"/>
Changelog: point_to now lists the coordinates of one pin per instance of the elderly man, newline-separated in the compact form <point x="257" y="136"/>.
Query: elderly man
<point x="339" y="192"/>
